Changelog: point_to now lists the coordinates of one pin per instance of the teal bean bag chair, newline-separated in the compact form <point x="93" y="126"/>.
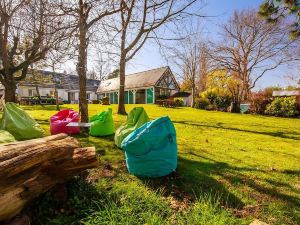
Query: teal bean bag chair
<point x="151" y="150"/>
<point x="102" y="124"/>
<point x="135" y="119"/>
<point x="17" y="122"/>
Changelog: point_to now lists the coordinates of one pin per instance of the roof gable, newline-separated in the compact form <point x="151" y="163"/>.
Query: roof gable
<point x="136" y="80"/>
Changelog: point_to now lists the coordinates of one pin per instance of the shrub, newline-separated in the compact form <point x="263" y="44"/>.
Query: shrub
<point x="201" y="103"/>
<point x="96" y="101"/>
<point x="210" y="95"/>
<point x="105" y="100"/>
<point x="223" y="102"/>
<point x="286" y="107"/>
<point x="259" y="101"/>
<point x="179" y="101"/>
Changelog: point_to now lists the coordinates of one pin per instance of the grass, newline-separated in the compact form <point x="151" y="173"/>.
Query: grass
<point x="232" y="168"/>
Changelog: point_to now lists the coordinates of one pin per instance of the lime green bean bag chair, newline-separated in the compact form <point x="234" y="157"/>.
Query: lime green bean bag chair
<point x="135" y="119"/>
<point x="6" y="137"/>
<point x="102" y="124"/>
<point x="17" y="122"/>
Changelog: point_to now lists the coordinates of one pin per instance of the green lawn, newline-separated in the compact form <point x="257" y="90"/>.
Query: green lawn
<point x="232" y="168"/>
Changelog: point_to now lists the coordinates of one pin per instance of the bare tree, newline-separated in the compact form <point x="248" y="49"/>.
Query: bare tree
<point x="86" y="15"/>
<point x="137" y="22"/>
<point x="28" y="30"/>
<point x="251" y="47"/>
<point x="190" y="56"/>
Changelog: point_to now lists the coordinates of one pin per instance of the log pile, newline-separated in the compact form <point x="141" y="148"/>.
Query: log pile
<point x="30" y="168"/>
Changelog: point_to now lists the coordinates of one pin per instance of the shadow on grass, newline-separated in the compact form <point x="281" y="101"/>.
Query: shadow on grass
<point x="279" y="134"/>
<point x="65" y="204"/>
<point x="195" y="178"/>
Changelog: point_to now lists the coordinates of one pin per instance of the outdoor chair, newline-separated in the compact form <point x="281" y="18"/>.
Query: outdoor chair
<point x="151" y="150"/>
<point x="59" y="122"/>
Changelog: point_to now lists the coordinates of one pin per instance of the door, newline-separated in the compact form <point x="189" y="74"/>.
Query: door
<point x="150" y="97"/>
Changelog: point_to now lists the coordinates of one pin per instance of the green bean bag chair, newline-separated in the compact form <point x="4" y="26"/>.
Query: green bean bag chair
<point x="136" y="118"/>
<point x="151" y="150"/>
<point x="6" y="137"/>
<point x="17" y="122"/>
<point x="102" y="124"/>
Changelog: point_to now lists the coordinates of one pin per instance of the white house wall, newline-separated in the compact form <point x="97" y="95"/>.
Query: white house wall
<point x="23" y="91"/>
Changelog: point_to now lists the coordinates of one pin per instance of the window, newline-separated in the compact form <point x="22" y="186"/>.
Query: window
<point x="31" y="92"/>
<point x="88" y="96"/>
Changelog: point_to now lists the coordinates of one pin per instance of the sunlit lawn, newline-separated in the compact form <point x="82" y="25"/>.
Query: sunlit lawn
<point x="232" y="168"/>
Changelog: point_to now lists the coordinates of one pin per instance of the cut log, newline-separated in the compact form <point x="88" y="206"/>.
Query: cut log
<point x="30" y="168"/>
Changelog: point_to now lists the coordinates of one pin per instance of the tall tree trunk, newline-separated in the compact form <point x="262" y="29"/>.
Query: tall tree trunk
<point x="10" y="90"/>
<point x="81" y="66"/>
<point x="55" y="88"/>
<point x="38" y="94"/>
<point x="193" y="95"/>
<point x="121" y="107"/>
<point x="56" y="98"/>
<point x="122" y="64"/>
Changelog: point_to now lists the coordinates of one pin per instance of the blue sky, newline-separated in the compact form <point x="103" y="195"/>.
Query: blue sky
<point x="220" y="10"/>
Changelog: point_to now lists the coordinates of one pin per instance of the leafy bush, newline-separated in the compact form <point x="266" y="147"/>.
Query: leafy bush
<point x="259" y="101"/>
<point x="96" y="101"/>
<point x="223" y="102"/>
<point x="179" y="101"/>
<point x="201" y="103"/>
<point x="286" y="107"/>
<point x="210" y="95"/>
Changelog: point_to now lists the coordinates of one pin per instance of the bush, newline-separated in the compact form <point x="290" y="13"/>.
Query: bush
<point x="286" y="107"/>
<point x="210" y="95"/>
<point x="178" y="101"/>
<point x="259" y="101"/>
<point x="223" y="102"/>
<point x="96" y="101"/>
<point x="201" y="103"/>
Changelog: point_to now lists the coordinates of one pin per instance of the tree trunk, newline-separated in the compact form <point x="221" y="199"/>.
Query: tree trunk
<point x="10" y="91"/>
<point x="56" y="98"/>
<point x="82" y="61"/>
<point x="30" y="168"/>
<point x="38" y="94"/>
<point x="193" y="96"/>
<point x="121" y="106"/>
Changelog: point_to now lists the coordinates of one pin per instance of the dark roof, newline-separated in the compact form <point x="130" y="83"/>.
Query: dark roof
<point x="136" y="80"/>
<point x="181" y="94"/>
<point x="62" y="80"/>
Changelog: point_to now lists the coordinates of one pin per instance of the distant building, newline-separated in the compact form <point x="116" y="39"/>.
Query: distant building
<point x="286" y="93"/>
<point x="67" y="86"/>
<point x="185" y="96"/>
<point x="141" y="88"/>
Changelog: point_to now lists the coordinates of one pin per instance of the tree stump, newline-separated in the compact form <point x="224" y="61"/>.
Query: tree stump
<point x="30" y="168"/>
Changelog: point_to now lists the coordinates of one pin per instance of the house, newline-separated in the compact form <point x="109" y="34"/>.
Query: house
<point x="67" y="86"/>
<point x="286" y="93"/>
<point x="185" y="96"/>
<point x="141" y="88"/>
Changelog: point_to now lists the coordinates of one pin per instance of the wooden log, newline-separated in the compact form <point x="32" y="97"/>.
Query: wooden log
<point x="29" y="168"/>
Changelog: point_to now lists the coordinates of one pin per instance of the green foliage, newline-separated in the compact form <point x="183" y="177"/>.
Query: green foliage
<point x="201" y="103"/>
<point x="286" y="107"/>
<point x="96" y="101"/>
<point x="274" y="10"/>
<point x="179" y="101"/>
<point x="218" y="100"/>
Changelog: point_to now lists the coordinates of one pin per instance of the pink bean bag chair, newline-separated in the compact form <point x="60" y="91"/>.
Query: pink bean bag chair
<point x="59" y="122"/>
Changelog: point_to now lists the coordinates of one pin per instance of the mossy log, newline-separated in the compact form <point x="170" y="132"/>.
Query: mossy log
<point x="30" y="168"/>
